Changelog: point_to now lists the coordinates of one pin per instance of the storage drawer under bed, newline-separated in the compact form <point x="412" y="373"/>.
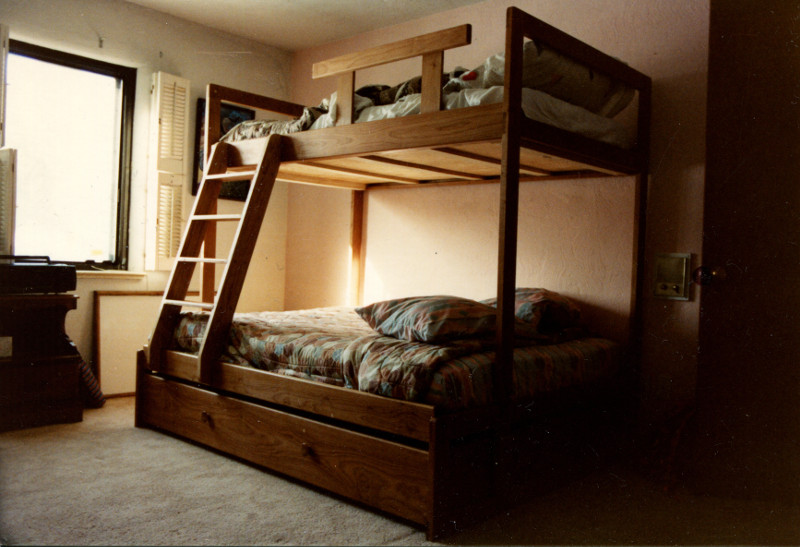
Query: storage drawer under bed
<point x="375" y="471"/>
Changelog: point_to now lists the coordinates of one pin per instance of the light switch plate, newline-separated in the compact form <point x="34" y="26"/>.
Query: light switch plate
<point x="672" y="276"/>
<point x="6" y="349"/>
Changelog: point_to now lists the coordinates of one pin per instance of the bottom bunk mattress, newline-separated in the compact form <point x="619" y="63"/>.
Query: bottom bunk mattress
<point x="339" y="346"/>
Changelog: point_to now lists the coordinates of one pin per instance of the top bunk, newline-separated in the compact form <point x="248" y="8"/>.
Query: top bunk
<point x="568" y="108"/>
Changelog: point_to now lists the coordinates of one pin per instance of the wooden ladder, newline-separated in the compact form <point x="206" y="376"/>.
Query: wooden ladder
<point x="219" y="303"/>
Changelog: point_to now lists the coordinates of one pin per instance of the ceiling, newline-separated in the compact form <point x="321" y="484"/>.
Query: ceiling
<point x="299" y="24"/>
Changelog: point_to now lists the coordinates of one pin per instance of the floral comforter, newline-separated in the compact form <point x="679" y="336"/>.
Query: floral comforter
<point x="336" y="346"/>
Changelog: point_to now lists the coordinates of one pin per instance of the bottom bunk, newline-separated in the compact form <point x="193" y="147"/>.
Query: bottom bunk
<point x="417" y="437"/>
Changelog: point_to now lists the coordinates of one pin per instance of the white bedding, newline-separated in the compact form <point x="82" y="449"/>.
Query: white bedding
<point x="537" y="106"/>
<point x="556" y="91"/>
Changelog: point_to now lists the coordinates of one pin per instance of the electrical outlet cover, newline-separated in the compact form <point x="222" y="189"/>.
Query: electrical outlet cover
<point x="672" y="276"/>
<point x="6" y="348"/>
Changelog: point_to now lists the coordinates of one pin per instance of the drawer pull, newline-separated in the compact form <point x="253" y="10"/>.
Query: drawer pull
<point x="308" y="451"/>
<point x="206" y="418"/>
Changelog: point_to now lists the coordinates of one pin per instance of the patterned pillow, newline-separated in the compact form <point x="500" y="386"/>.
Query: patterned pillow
<point x="547" y="311"/>
<point x="431" y="319"/>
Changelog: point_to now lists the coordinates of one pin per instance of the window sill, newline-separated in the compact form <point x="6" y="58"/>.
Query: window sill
<point x="109" y="274"/>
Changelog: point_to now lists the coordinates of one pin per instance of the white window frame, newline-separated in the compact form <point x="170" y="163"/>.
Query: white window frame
<point x="128" y="76"/>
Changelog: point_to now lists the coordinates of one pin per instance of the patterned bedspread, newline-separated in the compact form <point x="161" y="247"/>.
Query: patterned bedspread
<point x="336" y="346"/>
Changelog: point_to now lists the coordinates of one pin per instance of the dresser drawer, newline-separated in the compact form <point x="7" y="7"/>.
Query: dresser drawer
<point x="372" y="470"/>
<point x="41" y="392"/>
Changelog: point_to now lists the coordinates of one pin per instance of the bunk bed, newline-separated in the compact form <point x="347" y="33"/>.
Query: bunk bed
<point x="438" y="465"/>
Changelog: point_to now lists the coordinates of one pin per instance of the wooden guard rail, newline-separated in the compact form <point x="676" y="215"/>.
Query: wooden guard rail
<point x="430" y="46"/>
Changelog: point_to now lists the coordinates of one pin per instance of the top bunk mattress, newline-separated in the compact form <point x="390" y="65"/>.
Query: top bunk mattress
<point x="556" y="91"/>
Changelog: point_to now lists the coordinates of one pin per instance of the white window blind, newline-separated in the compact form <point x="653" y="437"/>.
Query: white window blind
<point x="169" y="169"/>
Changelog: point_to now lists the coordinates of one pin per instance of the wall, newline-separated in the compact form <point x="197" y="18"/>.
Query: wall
<point x="151" y="41"/>
<point x="667" y="41"/>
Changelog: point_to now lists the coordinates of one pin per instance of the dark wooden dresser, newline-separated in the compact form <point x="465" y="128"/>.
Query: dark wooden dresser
<point x="39" y="365"/>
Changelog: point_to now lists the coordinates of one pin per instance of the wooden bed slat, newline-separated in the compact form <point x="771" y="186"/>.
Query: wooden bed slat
<point x="380" y="170"/>
<point x="496" y="162"/>
<point x="426" y="170"/>
<point x="337" y="170"/>
<point x="532" y="161"/>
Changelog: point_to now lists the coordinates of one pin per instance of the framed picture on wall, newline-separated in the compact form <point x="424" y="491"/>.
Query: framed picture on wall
<point x="230" y="115"/>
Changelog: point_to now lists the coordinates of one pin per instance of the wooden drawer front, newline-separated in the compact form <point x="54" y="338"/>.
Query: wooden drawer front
<point x="41" y="381"/>
<point x="380" y="473"/>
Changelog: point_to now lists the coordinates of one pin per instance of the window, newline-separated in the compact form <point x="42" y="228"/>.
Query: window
<point x="70" y="119"/>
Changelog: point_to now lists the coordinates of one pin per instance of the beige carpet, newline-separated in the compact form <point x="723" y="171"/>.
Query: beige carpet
<point x="104" y="482"/>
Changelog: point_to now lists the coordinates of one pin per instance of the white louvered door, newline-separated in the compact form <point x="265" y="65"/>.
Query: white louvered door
<point x="169" y="169"/>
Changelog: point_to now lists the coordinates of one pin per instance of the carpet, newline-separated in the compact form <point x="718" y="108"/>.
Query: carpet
<point x="104" y="482"/>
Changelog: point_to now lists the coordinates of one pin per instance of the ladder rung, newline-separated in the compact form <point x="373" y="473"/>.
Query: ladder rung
<point x="203" y="260"/>
<point x="217" y="217"/>
<point x="189" y="304"/>
<point x="232" y="176"/>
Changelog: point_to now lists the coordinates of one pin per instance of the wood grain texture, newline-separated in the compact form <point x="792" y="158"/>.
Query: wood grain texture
<point x="357" y="224"/>
<point x="244" y="241"/>
<point x="396" y="51"/>
<point x="380" y="473"/>
<point x="480" y="143"/>
<point x="195" y="239"/>
<point x="345" y="88"/>
<point x="365" y="409"/>
<point x="218" y="93"/>
<point x="432" y="68"/>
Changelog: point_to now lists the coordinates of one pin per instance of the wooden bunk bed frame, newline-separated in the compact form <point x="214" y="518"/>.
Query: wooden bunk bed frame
<point x="437" y="469"/>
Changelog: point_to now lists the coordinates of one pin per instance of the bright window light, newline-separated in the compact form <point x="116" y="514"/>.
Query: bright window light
<point x="65" y="124"/>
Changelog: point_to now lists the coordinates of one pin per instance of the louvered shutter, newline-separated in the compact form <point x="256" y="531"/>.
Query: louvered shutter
<point x="170" y="196"/>
<point x="3" y="61"/>
<point x="169" y="170"/>
<point x="8" y="183"/>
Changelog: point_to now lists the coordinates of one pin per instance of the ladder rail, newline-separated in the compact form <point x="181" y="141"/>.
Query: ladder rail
<point x="244" y="241"/>
<point x="221" y="303"/>
<point x="181" y="275"/>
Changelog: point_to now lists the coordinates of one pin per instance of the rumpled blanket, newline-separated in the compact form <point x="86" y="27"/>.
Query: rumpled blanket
<point x="370" y="95"/>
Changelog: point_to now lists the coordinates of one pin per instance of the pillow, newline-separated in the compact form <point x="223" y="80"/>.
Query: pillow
<point x="431" y="319"/>
<point x="546" y="311"/>
<point x="553" y="73"/>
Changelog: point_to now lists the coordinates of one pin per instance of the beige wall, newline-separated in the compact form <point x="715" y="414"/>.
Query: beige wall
<point x="419" y="241"/>
<point x="151" y="41"/>
<point x="667" y="41"/>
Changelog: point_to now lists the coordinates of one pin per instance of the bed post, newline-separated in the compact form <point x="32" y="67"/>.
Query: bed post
<point x="356" y="239"/>
<point x="509" y="205"/>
